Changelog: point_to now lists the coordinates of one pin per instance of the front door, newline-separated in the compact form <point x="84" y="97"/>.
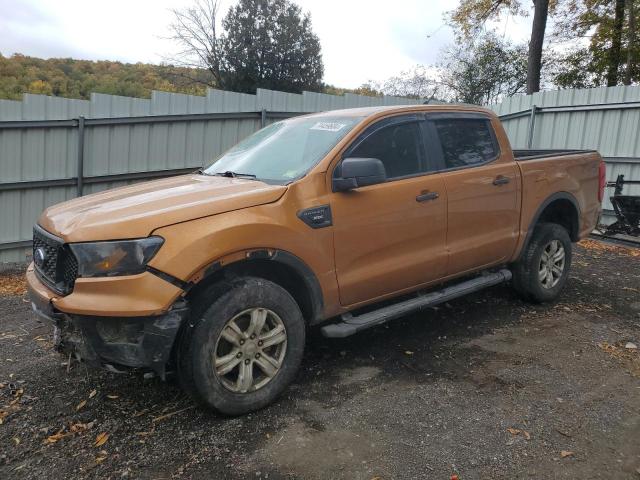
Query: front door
<point x="391" y="236"/>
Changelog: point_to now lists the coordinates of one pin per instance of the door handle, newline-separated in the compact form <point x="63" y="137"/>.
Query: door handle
<point x="425" y="197"/>
<point x="501" y="180"/>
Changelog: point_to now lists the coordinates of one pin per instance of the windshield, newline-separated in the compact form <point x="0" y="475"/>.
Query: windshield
<point x="284" y="150"/>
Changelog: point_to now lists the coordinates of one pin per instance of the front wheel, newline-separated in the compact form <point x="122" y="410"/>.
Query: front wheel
<point x="543" y="268"/>
<point x="245" y="348"/>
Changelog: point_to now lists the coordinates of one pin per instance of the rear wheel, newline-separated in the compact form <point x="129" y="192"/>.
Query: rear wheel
<point x="543" y="268"/>
<point x="245" y="347"/>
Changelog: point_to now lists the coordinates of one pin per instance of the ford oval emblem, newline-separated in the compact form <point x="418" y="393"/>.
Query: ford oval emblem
<point x="39" y="256"/>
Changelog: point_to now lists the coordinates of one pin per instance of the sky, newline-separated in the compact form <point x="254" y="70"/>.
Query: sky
<point x="361" y="40"/>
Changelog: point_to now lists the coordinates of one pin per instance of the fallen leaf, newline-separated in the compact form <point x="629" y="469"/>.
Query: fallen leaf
<point x="59" y="435"/>
<point x="167" y="415"/>
<point x="93" y="393"/>
<point x="101" y="439"/>
<point x="101" y="459"/>
<point x="81" y="404"/>
<point x="566" y="453"/>
<point x="81" y="427"/>
<point x="526" y="435"/>
<point x="13" y="284"/>
<point x="513" y="431"/>
<point x="16" y="440"/>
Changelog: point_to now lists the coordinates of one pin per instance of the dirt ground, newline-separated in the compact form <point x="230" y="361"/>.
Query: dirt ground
<point x="483" y="387"/>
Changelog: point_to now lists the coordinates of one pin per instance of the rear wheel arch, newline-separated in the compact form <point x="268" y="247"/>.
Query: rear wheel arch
<point x="561" y="208"/>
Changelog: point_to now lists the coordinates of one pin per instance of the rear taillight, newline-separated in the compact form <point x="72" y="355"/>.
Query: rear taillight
<point x="602" y="181"/>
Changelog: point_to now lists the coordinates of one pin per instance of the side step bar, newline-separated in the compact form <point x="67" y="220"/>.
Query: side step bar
<point x="352" y="324"/>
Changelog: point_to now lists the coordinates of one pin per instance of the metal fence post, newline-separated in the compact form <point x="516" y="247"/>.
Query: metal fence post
<point x="263" y="118"/>
<point x="532" y="126"/>
<point x="80" y="183"/>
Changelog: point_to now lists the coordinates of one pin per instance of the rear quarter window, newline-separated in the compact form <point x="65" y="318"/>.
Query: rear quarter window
<point x="466" y="142"/>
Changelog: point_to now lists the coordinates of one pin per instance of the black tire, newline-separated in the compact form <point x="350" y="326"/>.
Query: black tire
<point x="526" y="279"/>
<point x="215" y="307"/>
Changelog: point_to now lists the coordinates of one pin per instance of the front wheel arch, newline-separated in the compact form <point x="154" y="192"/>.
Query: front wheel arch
<point x="278" y="266"/>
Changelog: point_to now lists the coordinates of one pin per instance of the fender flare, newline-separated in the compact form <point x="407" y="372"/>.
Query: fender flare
<point x="311" y="283"/>
<point x="550" y="199"/>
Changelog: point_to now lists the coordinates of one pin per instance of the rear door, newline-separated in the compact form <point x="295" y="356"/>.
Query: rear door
<point x="482" y="186"/>
<point x="390" y="237"/>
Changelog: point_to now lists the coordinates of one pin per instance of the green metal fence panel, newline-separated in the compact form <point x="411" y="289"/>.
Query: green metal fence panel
<point x="606" y="119"/>
<point x="124" y="140"/>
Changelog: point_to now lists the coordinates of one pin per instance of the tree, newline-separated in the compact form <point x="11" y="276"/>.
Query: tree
<point x="270" y="44"/>
<point x="416" y="83"/>
<point x="471" y="15"/>
<point x="262" y="44"/>
<point x="534" y="62"/>
<point x="483" y="72"/>
<point x="609" y="47"/>
<point x="195" y="30"/>
<point x="615" y="54"/>
<point x="633" y="45"/>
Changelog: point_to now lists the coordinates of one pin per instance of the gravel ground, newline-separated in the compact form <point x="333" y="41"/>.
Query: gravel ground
<point x="483" y="387"/>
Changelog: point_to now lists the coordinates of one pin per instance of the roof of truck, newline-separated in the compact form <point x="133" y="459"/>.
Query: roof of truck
<point x="369" y="111"/>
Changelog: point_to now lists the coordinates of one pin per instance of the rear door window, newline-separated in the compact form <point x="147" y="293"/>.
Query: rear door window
<point x="466" y="142"/>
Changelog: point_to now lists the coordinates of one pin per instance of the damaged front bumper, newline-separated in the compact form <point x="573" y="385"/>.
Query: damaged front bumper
<point x="115" y="342"/>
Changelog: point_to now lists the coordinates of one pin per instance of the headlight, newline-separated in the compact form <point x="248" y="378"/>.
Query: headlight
<point x="122" y="257"/>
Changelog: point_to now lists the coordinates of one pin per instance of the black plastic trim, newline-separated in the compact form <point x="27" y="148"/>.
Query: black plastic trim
<point x="317" y="217"/>
<point x="351" y="324"/>
<point x="552" y="198"/>
<point x="186" y="286"/>
<point x="311" y="282"/>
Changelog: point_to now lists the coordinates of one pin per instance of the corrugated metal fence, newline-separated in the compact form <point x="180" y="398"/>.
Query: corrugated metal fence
<point x="53" y="149"/>
<point x="606" y="119"/>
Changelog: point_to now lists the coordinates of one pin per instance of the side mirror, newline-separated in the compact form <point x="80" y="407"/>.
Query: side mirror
<point x="358" y="172"/>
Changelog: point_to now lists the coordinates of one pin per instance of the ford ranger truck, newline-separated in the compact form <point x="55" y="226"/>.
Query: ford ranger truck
<point x="216" y="276"/>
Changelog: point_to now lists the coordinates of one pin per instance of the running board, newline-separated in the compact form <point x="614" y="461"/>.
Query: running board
<point x="352" y="324"/>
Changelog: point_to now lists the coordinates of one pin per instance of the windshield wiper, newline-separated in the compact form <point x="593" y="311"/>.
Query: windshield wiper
<point x="231" y="174"/>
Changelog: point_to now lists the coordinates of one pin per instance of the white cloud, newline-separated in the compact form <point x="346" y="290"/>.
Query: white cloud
<point x="361" y="40"/>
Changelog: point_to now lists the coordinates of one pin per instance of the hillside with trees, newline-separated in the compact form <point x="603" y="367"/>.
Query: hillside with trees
<point x="66" y="77"/>
<point x="69" y="78"/>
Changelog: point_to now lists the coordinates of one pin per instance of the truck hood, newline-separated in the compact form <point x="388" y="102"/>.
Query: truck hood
<point x="137" y="210"/>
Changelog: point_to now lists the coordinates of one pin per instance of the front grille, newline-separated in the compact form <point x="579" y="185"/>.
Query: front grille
<point x="55" y="263"/>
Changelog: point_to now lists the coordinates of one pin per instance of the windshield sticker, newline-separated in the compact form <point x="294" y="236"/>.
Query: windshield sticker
<point x="329" y="126"/>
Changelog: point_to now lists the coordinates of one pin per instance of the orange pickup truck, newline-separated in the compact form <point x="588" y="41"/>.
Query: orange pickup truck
<point x="348" y="219"/>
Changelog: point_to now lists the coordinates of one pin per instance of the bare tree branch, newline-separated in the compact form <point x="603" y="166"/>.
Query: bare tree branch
<point x="195" y="29"/>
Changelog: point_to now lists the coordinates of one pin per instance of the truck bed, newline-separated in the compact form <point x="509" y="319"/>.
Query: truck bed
<point x="572" y="175"/>
<point x="524" y="154"/>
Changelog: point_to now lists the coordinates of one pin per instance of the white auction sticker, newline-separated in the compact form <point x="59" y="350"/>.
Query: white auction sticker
<point x="329" y="126"/>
